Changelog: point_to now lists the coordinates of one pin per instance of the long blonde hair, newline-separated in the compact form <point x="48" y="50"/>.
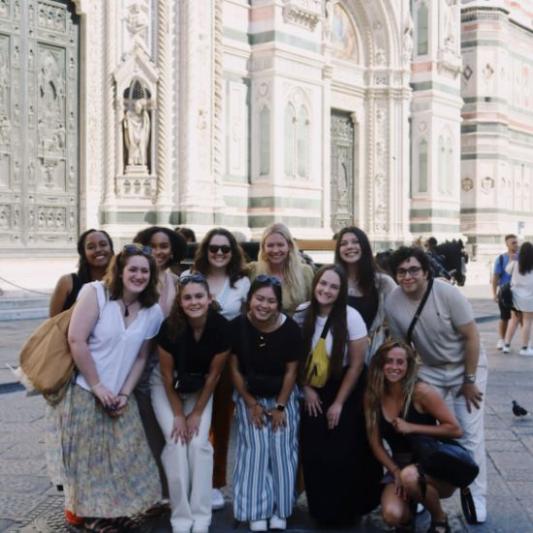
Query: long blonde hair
<point x="376" y="387"/>
<point x="293" y="279"/>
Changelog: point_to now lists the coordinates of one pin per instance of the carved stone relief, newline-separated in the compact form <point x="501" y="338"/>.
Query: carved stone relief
<point x="305" y="13"/>
<point x="136" y="24"/>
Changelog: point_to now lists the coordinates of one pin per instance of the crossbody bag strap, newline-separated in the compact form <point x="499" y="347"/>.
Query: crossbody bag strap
<point x="325" y="329"/>
<point x="408" y="336"/>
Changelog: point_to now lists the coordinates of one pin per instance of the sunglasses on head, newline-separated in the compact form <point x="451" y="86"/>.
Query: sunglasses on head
<point x="272" y="280"/>
<point x="192" y="278"/>
<point x="224" y="248"/>
<point x="136" y="248"/>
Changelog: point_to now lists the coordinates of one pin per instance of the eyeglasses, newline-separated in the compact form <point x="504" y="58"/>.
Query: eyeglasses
<point x="224" y="248"/>
<point x="136" y="248"/>
<point x="192" y="278"/>
<point x="272" y="280"/>
<point x="412" y="271"/>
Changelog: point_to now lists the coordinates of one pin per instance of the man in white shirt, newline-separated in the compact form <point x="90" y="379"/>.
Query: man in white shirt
<point x="447" y="340"/>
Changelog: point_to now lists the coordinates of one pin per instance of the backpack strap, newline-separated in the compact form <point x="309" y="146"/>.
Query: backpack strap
<point x="419" y="310"/>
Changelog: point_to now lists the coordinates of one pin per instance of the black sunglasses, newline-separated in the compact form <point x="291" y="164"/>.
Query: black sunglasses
<point x="271" y="280"/>
<point x="224" y="248"/>
<point x="136" y="248"/>
<point x="192" y="278"/>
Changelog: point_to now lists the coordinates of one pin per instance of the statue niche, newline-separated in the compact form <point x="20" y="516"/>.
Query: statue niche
<point x="137" y="129"/>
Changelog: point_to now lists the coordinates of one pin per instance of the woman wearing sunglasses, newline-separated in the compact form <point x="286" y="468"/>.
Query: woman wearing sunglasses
<point x="193" y="348"/>
<point x="168" y="249"/>
<point x="279" y="257"/>
<point x="267" y="347"/>
<point x="367" y="287"/>
<point x="342" y="477"/>
<point x="220" y="259"/>
<point x="109" y="470"/>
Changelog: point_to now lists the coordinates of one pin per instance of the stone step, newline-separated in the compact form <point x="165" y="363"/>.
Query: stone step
<point x="20" y="306"/>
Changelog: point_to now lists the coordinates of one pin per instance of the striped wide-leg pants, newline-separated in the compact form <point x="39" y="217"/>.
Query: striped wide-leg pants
<point x="265" y="464"/>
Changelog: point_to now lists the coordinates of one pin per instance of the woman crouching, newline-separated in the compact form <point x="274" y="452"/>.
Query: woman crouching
<point x="396" y="406"/>
<point x="193" y="348"/>
<point x="267" y="348"/>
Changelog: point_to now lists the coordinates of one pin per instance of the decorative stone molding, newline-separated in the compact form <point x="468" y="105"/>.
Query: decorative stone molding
<point x="305" y="13"/>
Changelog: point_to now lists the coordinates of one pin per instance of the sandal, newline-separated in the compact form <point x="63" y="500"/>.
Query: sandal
<point x="157" y="510"/>
<point x="440" y="527"/>
<point x="101" y="525"/>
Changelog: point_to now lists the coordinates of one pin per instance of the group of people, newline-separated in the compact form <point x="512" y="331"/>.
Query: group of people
<point x="166" y="363"/>
<point x="513" y="270"/>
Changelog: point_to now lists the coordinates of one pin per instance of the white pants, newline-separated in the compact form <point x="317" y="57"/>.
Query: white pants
<point x="473" y="438"/>
<point x="189" y="467"/>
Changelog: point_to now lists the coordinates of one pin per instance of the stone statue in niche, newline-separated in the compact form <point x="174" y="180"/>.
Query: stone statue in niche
<point x="450" y="26"/>
<point x="137" y="125"/>
<point x="407" y="41"/>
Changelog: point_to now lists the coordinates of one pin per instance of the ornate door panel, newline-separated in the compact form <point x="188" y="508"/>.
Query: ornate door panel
<point x="342" y="170"/>
<point x="38" y="124"/>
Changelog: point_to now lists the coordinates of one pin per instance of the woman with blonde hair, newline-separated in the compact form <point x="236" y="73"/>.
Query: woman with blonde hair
<point x="279" y="257"/>
<point x="397" y="406"/>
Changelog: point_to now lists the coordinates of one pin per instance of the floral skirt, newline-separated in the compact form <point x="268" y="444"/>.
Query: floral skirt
<point x="108" y="467"/>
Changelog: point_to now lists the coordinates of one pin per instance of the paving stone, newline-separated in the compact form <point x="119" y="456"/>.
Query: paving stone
<point x="22" y="467"/>
<point x="25" y="451"/>
<point x="499" y="434"/>
<point x="501" y="445"/>
<point x="24" y="484"/>
<point x="16" y="506"/>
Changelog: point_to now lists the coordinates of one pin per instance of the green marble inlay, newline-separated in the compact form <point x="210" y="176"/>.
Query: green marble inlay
<point x="128" y="217"/>
<point x="496" y="211"/>
<point x="261" y="221"/>
<point x="236" y="201"/>
<point x="429" y="227"/>
<point x="285" y="201"/>
<point x="437" y="213"/>
<point x="280" y="37"/>
<point x="430" y="85"/>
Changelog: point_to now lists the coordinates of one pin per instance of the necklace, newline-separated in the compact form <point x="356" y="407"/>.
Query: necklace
<point x="127" y="307"/>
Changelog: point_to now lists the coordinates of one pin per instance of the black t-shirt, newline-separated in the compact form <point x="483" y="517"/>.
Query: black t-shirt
<point x="266" y="353"/>
<point x="366" y="306"/>
<point x="198" y="354"/>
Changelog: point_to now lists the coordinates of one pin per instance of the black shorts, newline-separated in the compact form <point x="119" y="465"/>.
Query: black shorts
<point x="505" y="312"/>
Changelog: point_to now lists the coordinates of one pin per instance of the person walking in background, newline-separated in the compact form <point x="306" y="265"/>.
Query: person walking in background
<point x="445" y="336"/>
<point x="342" y="477"/>
<point x="499" y="278"/>
<point x="168" y="249"/>
<point x="95" y="251"/>
<point x="398" y="405"/>
<point x="367" y="287"/>
<point x="193" y="348"/>
<point x="267" y="347"/>
<point x="220" y="259"/>
<point x="279" y="257"/>
<point x="521" y="271"/>
<point x="109" y="470"/>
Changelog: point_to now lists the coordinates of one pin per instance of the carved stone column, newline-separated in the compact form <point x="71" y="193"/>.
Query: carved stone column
<point x="164" y="146"/>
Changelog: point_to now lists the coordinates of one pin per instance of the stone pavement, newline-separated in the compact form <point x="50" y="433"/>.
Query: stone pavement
<point x="29" y="504"/>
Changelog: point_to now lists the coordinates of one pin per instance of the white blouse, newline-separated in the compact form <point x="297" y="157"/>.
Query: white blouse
<point x="114" y="348"/>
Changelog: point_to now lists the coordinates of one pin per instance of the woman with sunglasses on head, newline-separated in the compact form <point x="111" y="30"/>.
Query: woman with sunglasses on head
<point x="367" y="287"/>
<point x="341" y="474"/>
<point x="279" y="257"/>
<point x="109" y="471"/>
<point x="168" y="249"/>
<point x="193" y="348"/>
<point x="398" y="405"/>
<point x="267" y="347"/>
<point x="95" y="250"/>
<point x="220" y="259"/>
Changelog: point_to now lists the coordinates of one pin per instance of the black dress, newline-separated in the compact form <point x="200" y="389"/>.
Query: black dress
<point x="342" y="476"/>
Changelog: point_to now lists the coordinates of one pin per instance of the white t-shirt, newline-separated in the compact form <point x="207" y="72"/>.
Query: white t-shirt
<point x="231" y="299"/>
<point x="354" y="322"/>
<point x="114" y="348"/>
<point x="436" y="338"/>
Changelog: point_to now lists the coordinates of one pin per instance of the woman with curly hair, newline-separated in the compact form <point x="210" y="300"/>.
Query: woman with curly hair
<point x="340" y="472"/>
<point x="367" y="286"/>
<point x="193" y="348"/>
<point x="109" y="470"/>
<point x="220" y="259"/>
<point x="398" y="405"/>
<point x="279" y="257"/>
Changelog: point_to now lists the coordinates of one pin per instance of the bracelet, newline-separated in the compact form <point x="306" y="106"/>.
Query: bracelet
<point x="127" y="396"/>
<point x="94" y="386"/>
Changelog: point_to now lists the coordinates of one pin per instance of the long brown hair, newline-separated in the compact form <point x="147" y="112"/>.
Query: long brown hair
<point x="113" y="276"/>
<point x="376" y="387"/>
<point x="337" y="317"/>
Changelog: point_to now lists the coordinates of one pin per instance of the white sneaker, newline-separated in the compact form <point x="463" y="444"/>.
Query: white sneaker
<point x="278" y="523"/>
<point x="500" y="344"/>
<point x="506" y="348"/>
<point x="217" y="500"/>
<point x="528" y="352"/>
<point x="258" y="525"/>
<point x="481" y="508"/>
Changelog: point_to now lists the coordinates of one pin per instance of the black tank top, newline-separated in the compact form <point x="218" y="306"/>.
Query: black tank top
<point x="366" y="306"/>
<point x="398" y="442"/>
<point x="73" y="294"/>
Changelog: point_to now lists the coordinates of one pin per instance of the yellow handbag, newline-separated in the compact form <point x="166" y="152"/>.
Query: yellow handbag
<point x="317" y="368"/>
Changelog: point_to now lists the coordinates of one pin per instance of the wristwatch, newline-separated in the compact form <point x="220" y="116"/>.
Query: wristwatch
<point x="280" y="407"/>
<point x="469" y="378"/>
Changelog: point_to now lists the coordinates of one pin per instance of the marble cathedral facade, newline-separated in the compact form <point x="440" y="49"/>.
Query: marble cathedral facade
<point x="406" y="117"/>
